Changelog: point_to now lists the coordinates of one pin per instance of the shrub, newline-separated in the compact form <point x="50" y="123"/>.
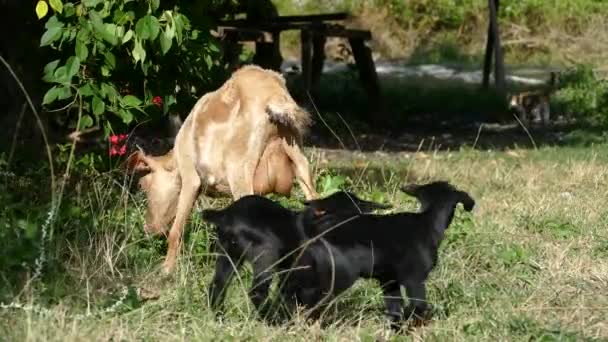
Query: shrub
<point x="127" y="60"/>
<point x="582" y="95"/>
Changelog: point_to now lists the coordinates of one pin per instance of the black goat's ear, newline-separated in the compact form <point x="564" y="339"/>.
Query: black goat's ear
<point x="213" y="216"/>
<point x="409" y="189"/>
<point x="467" y="201"/>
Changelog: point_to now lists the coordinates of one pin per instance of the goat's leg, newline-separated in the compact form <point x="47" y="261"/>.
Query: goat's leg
<point x="242" y="167"/>
<point x="263" y="267"/>
<point x="418" y="307"/>
<point x="223" y="274"/>
<point x="189" y="192"/>
<point x="301" y="169"/>
<point x="393" y="302"/>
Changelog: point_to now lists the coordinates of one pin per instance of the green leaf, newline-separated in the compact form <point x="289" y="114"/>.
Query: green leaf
<point x="84" y="33"/>
<point x="130" y="101"/>
<point x="107" y="32"/>
<point x="56" y="5"/>
<point x="209" y="61"/>
<point x="86" y="90"/>
<point x="60" y="75"/>
<point x="139" y="54"/>
<point x="51" y="95"/>
<point x="165" y="42"/>
<point x="170" y="30"/>
<point x="82" y="52"/>
<point x="53" y="22"/>
<point x="105" y="71"/>
<point x="98" y="106"/>
<point x="90" y="3"/>
<point x="110" y="60"/>
<point x="69" y="10"/>
<point x="51" y="35"/>
<point x="56" y="93"/>
<point x="122" y="18"/>
<point x="120" y="32"/>
<point x="41" y="9"/>
<point x="86" y="122"/>
<point x="167" y="102"/>
<point x="72" y="65"/>
<point x="127" y="36"/>
<point x="110" y="33"/>
<point x="48" y="71"/>
<point x="154" y="4"/>
<point x="147" y="28"/>
<point x="109" y="92"/>
<point x="126" y="116"/>
<point x="213" y="48"/>
<point x="64" y="92"/>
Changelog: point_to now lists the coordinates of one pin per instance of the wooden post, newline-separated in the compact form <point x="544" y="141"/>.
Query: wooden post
<point x="306" y="46"/>
<point x="493" y="49"/>
<point x="318" y="58"/>
<point x="487" y="61"/>
<point x="368" y="76"/>
<point x="231" y="50"/>
<point x="499" y="65"/>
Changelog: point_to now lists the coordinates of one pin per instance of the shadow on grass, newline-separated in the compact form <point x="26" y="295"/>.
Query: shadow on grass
<point x="427" y="113"/>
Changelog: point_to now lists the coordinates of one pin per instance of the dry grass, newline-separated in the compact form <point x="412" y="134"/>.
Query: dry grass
<point x="530" y="263"/>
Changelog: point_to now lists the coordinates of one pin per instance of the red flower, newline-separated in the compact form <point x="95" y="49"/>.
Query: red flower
<point x="158" y="101"/>
<point x="115" y="147"/>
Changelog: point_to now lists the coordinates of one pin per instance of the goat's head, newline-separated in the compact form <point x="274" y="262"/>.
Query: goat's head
<point x="439" y="192"/>
<point x="343" y="202"/>
<point x="161" y="183"/>
<point x="235" y="235"/>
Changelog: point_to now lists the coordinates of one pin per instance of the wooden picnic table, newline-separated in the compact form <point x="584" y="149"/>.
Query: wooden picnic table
<point x="314" y="31"/>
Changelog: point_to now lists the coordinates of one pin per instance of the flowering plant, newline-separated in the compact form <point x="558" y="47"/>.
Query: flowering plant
<point x="116" y="54"/>
<point x="116" y="149"/>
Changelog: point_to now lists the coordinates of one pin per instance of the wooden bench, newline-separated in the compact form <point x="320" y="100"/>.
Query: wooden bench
<point x="314" y="31"/>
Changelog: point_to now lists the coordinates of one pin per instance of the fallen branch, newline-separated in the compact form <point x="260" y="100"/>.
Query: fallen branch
<point x="77" y="134"/>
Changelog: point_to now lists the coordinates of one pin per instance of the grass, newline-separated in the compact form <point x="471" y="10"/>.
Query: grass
<point x="530" y="263"/>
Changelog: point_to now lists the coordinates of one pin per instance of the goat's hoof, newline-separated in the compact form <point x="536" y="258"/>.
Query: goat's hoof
<point x="167" y="269"/>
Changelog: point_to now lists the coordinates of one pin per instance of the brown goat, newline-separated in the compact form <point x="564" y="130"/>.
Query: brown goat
<point x="240" y="139"/>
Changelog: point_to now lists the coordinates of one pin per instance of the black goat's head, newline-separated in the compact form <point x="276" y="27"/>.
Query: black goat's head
<point x="439" y="191"/>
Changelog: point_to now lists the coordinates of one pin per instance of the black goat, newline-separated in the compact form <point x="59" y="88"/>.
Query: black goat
<point x="258" y="230"/>
<point x="397" y="250"/>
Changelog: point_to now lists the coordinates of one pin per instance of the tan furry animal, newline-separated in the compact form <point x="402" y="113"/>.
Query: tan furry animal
<point x="240" y="139"/>
<point x="534" y="105"/>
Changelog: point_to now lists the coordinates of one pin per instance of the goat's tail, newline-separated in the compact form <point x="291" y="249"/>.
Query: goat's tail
<point x="283" y="110"/>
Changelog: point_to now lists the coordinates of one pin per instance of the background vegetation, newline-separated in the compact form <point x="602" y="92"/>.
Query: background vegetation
<point x="530" y="263"/>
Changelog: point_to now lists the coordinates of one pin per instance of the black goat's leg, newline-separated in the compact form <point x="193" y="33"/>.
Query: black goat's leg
<point x="418" y="307"/>
<point x="224" y="269"/>
<point x="393" y="302"/>
<point x="263" y="267"/>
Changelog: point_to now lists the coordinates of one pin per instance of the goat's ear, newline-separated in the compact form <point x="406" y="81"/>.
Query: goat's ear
<point x="137" y="162"/>
<point x="140" y="161"/>
<point x="467" y="201"/>
<point x="409" y="189"/>
<point x="213" y="216"/>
